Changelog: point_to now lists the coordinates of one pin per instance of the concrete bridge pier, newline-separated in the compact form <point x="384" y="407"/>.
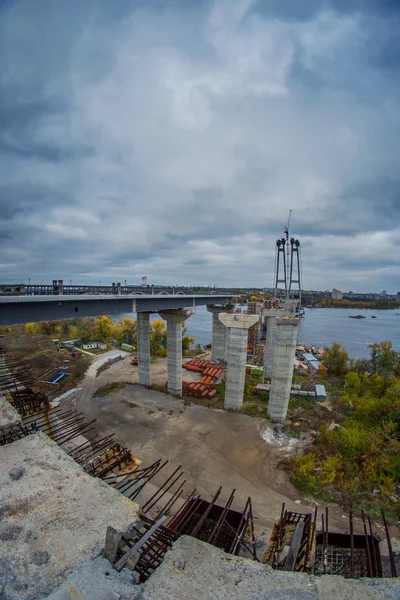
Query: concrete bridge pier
<point x="219" y="342"/>
<point x="271" y="314"/>
<point x="174" y="319"/>
<point x="237" y="325"/>
<point x="143" y="335"/>
<point x="285" y="341"/>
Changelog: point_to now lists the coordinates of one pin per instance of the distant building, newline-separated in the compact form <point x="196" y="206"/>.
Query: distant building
<point x="337" y="294"/>
<point x="398" y="296"/>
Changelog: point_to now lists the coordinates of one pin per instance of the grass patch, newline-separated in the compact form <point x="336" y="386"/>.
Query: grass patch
<point x="110" y="387"/>
<point x="103" y="367"/>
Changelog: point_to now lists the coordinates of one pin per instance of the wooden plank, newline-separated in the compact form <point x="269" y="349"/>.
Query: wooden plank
<point x="290" y="563"/>
<point x="113" y="537"/>
<point x="122" y="561"/>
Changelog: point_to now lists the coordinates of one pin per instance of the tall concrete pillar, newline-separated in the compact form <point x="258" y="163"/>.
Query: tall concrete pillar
<point x="269" y="347"/>
<point x="237" y="325"/>
<point x="219" y="342"/>
<point x="285" y="341"/>
<point x="174" y="319"/>
<point x="271" y="314"/>
<point x="143" y="336"/>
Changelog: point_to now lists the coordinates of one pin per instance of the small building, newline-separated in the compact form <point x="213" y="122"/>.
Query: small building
<point x="70" y="343"/>
<point x="320" y="393"/>
<point x="93" y="345"/>
<point x="312" y="362"/>
<point x="127" y="347"/>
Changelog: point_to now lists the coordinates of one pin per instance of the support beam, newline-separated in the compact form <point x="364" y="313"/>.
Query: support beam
<point x="237" y="325"/>
<point x="285" y="341"/>
<point x="219" y="342"/>
<point x="174" y="319"/>
<point x="143" y="334"/>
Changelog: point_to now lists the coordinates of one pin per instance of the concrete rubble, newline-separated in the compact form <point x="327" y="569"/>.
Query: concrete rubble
<point x="96" y="580"/>
<point x="8" y="414"/>
<point x="193" y="570"/>
<point x="52" y="518"/>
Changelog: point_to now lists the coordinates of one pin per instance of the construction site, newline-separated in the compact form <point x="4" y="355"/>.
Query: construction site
<point x="138" y="493"/>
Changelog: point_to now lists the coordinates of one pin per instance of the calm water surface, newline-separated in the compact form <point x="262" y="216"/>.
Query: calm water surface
<point x="320" y="327"/>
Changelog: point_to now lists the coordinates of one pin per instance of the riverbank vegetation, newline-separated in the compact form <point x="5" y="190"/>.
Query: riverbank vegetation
<point x="356" y="459"/>
<point x="320" y="301"/>
<point x="104" y="329"/>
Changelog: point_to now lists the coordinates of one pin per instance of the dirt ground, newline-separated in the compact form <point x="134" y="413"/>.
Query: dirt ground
<point x="214" y="447"/>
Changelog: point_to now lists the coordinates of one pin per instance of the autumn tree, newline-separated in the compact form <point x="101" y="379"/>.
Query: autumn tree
<point x="336" y="360"/>
<point x="186" y="341"/>
<point x="85" y="330"/>
<point x="125" y="331"/>
<point x="158" y="338"/>
<point x="104" y="328"/>
<point x="30" y="328"/>
<point x="384" y="360"/>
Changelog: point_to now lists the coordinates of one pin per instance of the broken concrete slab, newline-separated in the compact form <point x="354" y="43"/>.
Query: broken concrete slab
<point x="195" y="570"/>
<point x="8" y="414"/>
<point x="97" y="580"/>
<point x="52" y="518"/>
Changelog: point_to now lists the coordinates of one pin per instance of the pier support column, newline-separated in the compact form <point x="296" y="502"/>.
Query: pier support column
<point x="237" y="325"/>
<point x="143" y="335"/>
<point x="285" y="341"/>
<point x="174" y="319"/>
<point x="271" y="314"/>
<point x="219" y="342"/>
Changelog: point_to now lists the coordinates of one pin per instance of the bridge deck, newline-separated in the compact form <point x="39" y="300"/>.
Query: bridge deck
<point x="26" y="309"/>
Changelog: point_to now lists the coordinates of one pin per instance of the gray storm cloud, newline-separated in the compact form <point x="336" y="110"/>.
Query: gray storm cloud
<point x="171" y="139"/>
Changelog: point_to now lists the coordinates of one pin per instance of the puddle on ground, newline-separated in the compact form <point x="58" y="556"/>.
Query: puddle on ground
<point x="99" y="400"/>
<point x="274" y="435"/>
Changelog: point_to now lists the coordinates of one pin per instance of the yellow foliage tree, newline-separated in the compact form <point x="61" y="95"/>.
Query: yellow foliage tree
<point x="30" y="328"/>
<point x="104" y="328"/>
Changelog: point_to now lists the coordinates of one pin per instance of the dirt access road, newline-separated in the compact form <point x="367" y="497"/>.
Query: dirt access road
<point x="214" y="447"/>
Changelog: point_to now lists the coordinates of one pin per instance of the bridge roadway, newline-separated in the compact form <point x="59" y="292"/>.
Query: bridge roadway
<point x="27" y="309"/>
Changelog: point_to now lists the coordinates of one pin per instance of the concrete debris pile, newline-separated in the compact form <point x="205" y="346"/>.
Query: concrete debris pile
<point x="210" y="376"/>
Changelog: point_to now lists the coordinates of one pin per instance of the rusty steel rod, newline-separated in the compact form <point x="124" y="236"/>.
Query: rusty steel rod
<point x="351" y="542"/>
<point x="162" y="487"/>
<point x="367" y="548"/>
<point x="389" y="544"/>
<point x="376" y="566"/>
<point x="218" y="526"/>
<point x="174" y="498"/>
<point x="206" y="513"/>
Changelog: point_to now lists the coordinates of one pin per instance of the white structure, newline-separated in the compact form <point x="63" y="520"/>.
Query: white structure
<point x="93" y="345"/>
<point x="237" y="325"/>
<point x="219" y="343"/>
<point x="174" y="319"/>
<point x="337" y="294"/>
<point x="285" y="341"/>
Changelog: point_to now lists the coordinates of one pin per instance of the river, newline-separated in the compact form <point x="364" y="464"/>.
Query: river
<point x="320" y="327"/>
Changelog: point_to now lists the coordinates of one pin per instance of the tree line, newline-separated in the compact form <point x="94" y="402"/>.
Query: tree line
<point x="104" y="329"/>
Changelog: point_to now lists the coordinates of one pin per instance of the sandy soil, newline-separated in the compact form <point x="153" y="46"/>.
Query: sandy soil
<point x="214" y="447"/>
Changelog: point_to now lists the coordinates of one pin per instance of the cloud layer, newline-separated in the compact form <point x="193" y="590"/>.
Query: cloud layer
<point x="170" y="139"/>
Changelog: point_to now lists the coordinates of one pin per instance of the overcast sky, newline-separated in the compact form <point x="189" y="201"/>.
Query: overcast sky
<point x="170" y="138"/>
